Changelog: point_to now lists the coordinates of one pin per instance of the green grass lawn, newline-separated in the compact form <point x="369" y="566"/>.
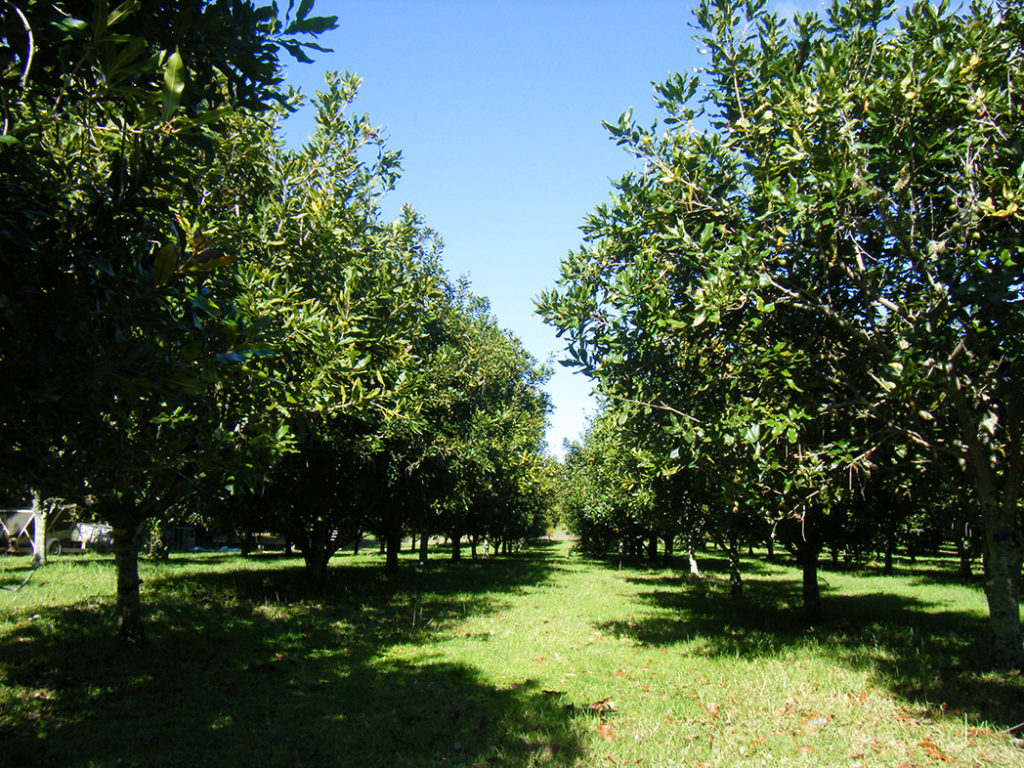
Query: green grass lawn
<point x="543" y="658"/>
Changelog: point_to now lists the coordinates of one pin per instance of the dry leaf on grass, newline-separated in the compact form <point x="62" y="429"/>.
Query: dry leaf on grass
<point x="602" y="706"/>
<point x="933" y="751"/>
<point x="605" y="731"/>
<point x="806" y="749"/>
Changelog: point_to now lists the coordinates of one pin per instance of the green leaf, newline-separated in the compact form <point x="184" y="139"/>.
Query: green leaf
<point x="174" y="84"/>
<point x="124" y="9"/>
<point x="314" y="25"/>
<point x="296" y="51"/>
<point x="165" y="264"/>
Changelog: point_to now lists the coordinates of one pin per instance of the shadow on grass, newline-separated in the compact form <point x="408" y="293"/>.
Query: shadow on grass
<point x="246" y="667"/>
<point x="710" y="562"/>
<point x="932" y="658"/>
<point x="938" y="573"/>
<point x="15" y="570"/>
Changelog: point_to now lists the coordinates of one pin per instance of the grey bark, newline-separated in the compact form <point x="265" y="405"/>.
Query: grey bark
<point x="39" y="532"/>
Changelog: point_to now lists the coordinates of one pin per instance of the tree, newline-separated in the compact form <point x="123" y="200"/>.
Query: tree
<point x="843" y="241"/>
<point x="347" y="299"/>
<point x="115" y="326"/>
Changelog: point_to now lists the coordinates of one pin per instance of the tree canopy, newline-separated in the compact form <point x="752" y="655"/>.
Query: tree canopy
<point x="819" y="266"/>
<point x="193" y="317"/>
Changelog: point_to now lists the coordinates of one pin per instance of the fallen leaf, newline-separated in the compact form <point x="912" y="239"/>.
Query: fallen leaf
<point x="714" y="708"/>
<point x="806" y="749"/>
<point x="605" y="731"/>
<point x="602" y="706"/>
<point x="933" y="751"/>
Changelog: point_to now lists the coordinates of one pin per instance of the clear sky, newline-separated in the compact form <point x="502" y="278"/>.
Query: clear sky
<point x="496" y="107"/>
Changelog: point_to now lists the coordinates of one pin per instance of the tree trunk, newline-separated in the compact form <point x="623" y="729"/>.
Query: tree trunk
<point x="963" y="552"/>
<point x="652" y="548"/>
<point x="316" y="567"/>
<point x="316" y="550"/>
<point x="735" y="580"/>
<point x="393" y="545"/>
<point x="691" y="555"/>
<point x="456" y="547"/>
<point x="669" y="539"/>
<point x="1002" y="550"/>
<point x="39" y="532"/>
<point x="1002" y="560"/>
<point x="809" y="549"/>
<point x="694" y="568"/>
<point x="424" y="541"/>
<point x="472" y="546"/>
<point x="811" y="592"/>
<point x="128" y="610"/>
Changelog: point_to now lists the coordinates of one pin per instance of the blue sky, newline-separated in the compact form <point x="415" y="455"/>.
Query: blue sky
<point x="497" y="109"/>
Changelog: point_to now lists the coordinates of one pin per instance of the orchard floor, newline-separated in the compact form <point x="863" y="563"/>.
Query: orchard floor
<point x="541" y="658"/>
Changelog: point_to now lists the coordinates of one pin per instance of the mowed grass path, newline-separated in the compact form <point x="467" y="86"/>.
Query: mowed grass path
<point x="542" y="658"/>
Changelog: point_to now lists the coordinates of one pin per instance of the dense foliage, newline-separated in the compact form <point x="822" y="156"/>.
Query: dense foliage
<point x="195" y="320"/>
<point x="809" y="301"/>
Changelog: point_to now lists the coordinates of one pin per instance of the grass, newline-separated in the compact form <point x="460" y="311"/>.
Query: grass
<point x="544" y="658"/>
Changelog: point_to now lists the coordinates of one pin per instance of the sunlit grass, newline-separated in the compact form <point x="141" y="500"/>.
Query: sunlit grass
<point x="544" y="658"/>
